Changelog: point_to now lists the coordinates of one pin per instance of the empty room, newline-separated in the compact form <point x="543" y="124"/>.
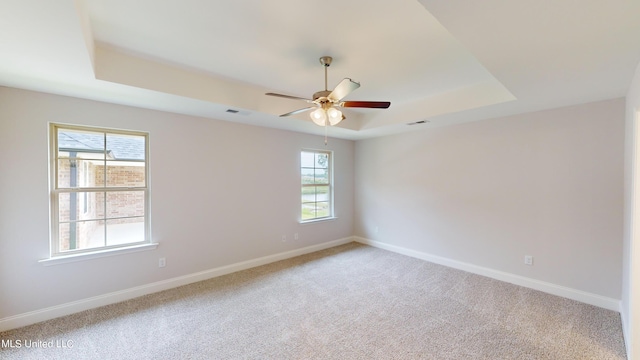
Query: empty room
<point x="411" y="179"/>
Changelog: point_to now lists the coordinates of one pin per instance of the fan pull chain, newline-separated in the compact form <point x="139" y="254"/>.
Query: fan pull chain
<point x="325" y="134"/>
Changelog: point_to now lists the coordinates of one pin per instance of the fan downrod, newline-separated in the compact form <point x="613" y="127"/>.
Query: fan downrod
<point x="325" y="61"/>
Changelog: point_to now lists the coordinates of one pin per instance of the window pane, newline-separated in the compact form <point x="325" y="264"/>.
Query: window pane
<point x="322" y="160"/>
<point x="322" y="193"/>
<point x="307" y="175"/>
<point x="125" y="174"/>
<point x="308" y="194"/>
<point x="75" y="173"/>
<point x="80" y="206"/>
<point x="308" y="211"/>
<point x="81" y="235"/>
<point x="307" y="159"/>
<point x="63" y="237"/>
<point x="125" y="147"/>
<point x="125" y="231"/>
<point x="322" y="209"/>
<point x="321" y="176"/>
<point x="77" y="141"/>
<point x="315" y="210"/>
<point x="125" y="204"/>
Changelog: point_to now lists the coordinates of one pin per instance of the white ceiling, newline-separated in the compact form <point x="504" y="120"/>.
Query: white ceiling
<point x="442" y="61"/>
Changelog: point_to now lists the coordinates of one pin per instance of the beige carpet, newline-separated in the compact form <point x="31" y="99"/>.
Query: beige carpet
<point x="348" y="302"/>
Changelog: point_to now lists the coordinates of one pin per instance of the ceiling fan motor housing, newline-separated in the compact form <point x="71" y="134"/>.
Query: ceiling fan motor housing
<point x="321" y="94"/>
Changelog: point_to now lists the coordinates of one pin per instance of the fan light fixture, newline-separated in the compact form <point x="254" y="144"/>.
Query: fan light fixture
<point x="320" y="116"/>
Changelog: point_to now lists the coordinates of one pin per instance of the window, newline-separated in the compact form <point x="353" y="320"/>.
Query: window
<point x="315" y="173"/>
<point x="99" y="192"/>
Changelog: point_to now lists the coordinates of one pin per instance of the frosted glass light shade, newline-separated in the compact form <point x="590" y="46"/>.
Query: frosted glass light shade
<point x="319" y="116"/>
<point x="335" y="116"/>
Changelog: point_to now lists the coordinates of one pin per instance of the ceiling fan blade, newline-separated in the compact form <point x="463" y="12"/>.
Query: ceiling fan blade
<point x="343" y="89"/>
<point x="289" y="97"/>
<point x="366" y="104"/>
<point x="298" y="111"/>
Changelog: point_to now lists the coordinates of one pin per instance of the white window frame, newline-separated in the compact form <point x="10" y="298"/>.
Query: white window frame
<point x="85" y="200"/>
<point x="56" y="191"/>
<point x="330" y="198"/>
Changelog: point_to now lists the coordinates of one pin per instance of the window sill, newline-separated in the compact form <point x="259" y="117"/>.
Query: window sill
<point x="302" y="222"/>
<point x="96" y="254"/>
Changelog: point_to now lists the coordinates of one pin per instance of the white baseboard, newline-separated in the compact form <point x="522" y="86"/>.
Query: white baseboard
<point x="573" y="294"/>
<point x="53" y="312"/>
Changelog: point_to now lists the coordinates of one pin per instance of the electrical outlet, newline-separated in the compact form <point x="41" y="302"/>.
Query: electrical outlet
<point x="528" y="260"/>
<point x="376" y="230"/>
<point x="162" y="262"/>
<point x="284" y="238"/>
<point x="295" y="236"/>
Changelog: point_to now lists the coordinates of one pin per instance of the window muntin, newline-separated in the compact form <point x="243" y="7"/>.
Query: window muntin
<point x="99" y="189"/>
<point x="316" y="181"/>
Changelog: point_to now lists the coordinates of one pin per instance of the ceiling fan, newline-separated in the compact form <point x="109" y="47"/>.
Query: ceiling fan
<point x="326" y="102"/>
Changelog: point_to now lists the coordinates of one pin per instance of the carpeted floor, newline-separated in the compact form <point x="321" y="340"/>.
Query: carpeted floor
<point x="348" y="302"/>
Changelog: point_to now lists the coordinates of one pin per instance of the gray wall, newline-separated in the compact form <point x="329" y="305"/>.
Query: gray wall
<point x="547" y="184"/>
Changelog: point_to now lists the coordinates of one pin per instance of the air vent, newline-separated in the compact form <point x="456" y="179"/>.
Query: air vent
<point x="239" y="112"/>
<point x="418" y="122"/>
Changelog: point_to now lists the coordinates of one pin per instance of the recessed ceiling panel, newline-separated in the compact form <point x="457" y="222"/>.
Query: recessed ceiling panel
<point x="397" y="50"/>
